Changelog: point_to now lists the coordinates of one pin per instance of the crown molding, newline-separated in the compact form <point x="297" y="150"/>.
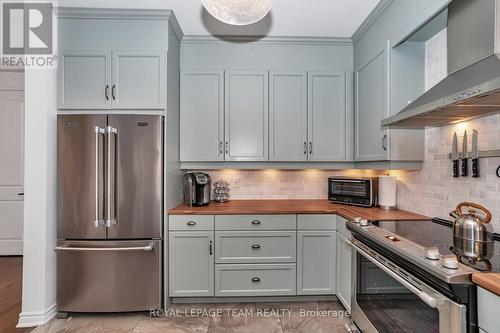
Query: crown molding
<point x="272" y="40"/>
<point x="368" y="22"/>
<point x="121" y="14"/>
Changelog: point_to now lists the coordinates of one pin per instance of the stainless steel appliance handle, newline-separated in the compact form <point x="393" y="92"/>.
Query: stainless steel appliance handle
<point x="110" y="218"/>
<point x="348" y="181"/>
<point x="98" y="131"/>
<point x="431" y="301"/>
<point x="147" y="248"/>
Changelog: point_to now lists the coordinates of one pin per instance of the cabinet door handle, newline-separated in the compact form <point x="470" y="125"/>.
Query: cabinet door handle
<point x="191" y="223"/>
<point x="310" y="147"/>
<point x="255" y="222"/>
<point x="221" y="150"/>
<point x="255" y="279"/>
<point x="106" y="92"/>
<point x="384" y="142"/>
<point x="210" y="247"/>
<point x="305" y="148"/>
<point x="256" y="246"/>
<point x="113" y="89"/>
<point x="227" y="147"/>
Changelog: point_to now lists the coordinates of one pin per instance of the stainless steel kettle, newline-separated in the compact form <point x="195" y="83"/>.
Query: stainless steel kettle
<point x="469" y="225"/>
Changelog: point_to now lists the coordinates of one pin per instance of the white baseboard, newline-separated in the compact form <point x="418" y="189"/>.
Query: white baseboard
<point x="11" y="247"/>
<point x="36" y="318"/>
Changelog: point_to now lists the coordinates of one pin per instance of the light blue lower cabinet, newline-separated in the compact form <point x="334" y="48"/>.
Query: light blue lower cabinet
<point x="344" y="274"/>
<point x="255" y="280"/>
<point x="316" y="262"/>
<point x="488" y="305"/>
<point x="258" y="255"/>
<point x="191" y="263"/>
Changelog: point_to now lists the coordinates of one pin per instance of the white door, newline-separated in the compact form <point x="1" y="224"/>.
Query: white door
<point x="327" y="116"/>
<point x="246" y="116"/>
<point x="202" y="116"/>
<point x="316" y="262"/>
<point x="84" y="79"/>
<point x="138" y="80"/>
<point x="11" y="165"/>
<point x="191" y="263"/>
<point x="288" y="116"/>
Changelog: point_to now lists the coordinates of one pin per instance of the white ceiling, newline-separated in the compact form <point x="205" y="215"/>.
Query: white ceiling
<point x="316" y="18"/>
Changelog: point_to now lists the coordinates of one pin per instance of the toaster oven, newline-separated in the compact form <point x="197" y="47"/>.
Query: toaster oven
<point x="353" y="191"/>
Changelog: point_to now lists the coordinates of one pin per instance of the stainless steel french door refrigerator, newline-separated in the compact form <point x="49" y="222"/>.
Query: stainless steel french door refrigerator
<point x="110" y="176"/>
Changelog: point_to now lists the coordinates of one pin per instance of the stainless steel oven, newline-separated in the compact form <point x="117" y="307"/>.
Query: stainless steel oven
<point x="387" y="298"/>
<point x="353" y="191"/>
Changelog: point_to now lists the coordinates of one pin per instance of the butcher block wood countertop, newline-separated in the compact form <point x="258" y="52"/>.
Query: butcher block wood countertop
<point x="488" y="281"/>
<point x="249" y="207"/>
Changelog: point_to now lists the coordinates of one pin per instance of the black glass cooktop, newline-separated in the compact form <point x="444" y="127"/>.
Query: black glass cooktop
<point x="483" y="256"/>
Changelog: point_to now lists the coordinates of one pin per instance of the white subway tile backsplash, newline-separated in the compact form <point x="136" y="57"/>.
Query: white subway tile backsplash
<point x="431" y="191"/>
<point x="435" y="179"/>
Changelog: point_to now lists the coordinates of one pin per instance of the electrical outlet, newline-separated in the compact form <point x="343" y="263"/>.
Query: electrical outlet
<point x="235" y="183"/>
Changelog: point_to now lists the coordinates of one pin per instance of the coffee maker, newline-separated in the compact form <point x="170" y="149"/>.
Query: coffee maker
<point x="197" y="188"/>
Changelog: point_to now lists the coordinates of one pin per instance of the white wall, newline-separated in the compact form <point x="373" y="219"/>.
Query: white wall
<point x="39" y="263"/>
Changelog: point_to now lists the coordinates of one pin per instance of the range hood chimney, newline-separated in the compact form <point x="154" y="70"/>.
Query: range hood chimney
<point x="472" y="87"/>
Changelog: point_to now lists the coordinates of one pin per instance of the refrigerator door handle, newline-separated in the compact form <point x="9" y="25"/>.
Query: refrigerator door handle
<point x="147" y="248"/>
<point x="98" y="220"/>
<point x="110" y="218"/>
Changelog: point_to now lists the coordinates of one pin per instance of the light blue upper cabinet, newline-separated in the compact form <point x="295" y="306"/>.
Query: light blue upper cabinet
<point x="202" y="116"/>
<point x="246" y="116"/>
<point x="326" y="116"/>
<point x="116" y="59"/>
<point x="84" y="80"/>
<point x="138" y="79"/>
<point x="288" y="116"/>
<point x="371" y="108"/>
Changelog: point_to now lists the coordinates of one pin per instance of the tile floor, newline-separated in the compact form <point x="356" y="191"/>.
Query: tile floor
<point x="301" y="317"/>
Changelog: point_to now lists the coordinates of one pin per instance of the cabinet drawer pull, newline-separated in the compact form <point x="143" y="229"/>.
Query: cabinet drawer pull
<point x="255" y="279"/>
<point x="256" y="246"/>
<point x="191" y="223"/>
<point x="255" y="222"/>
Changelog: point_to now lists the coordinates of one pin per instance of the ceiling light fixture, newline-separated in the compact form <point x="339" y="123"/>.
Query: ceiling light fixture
<point x="238" y="12"/>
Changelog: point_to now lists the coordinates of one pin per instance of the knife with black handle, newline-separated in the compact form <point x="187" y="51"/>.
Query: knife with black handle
<point x="475" y="155"/>
<point x="465" y="155"/>
<point x="454" y="156"/>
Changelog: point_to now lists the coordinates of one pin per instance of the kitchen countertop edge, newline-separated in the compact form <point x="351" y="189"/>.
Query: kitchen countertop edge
<point x="297" y="206"/>
<point x="488" y="281"/>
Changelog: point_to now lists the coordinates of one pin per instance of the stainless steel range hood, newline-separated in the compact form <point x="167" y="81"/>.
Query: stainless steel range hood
<point x="472" y="87"/>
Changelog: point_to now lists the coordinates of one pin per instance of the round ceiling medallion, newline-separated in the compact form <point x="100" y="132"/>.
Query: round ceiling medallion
<point x="238" y="12"/>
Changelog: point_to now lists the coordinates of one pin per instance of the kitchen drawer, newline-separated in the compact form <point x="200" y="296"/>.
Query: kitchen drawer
<point x="255" y="246"/>
<point x="317" y="222"/>
<point x="255" y="280"/>
<point x="255" y="222"/>
<point x="190" y="222"/>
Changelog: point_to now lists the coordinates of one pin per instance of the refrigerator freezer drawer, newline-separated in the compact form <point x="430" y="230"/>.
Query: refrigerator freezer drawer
<point x="108" y="276"/>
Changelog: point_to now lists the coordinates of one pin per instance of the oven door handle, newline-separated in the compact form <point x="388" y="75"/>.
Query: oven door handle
<point x="431" y="301"/>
